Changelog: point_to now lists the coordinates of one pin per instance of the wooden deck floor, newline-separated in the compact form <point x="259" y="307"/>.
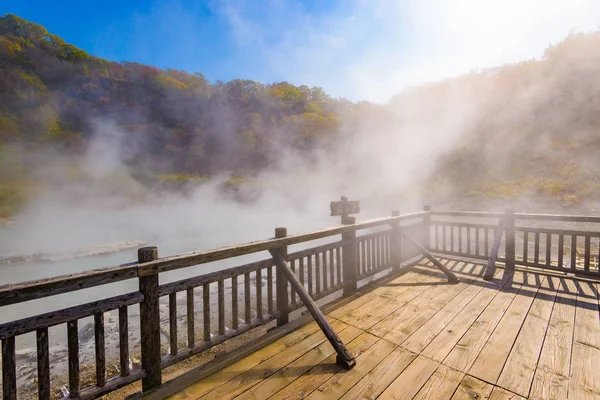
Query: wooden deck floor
<point x="533" y="336"/>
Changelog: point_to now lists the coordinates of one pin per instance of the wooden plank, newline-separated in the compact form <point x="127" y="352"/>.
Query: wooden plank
<point x="410" y="381"/>
<point x="235" y="317"/>
<point x="123" y="342"/>
<point x="338" y="263"/>
<point x="418" y="315"/>
<point x="247" y="299"/>
<point x="9" y="372"/>
<point x="150" y="323"/>
<point x="548" y="249"/>
<point x="318" y="273"/>
<point x="30" y="324"/>
<point x="465" y="352"/>
<point x="380" y="307"/>
<point x="17" y="293"/>
<point x="443" y="343"/>
<point x="587" y="325"/>
<point x="518" y="372"/>
<point x="491" y="359"/>
<point x="206" y="310"/>
<point x="288" y="374"/>
<point x="341" y="382"/>
<point x="552" y="373"/>
<point x="270" y="290"/>
<point x="536" y="254"/>
<point x="501" y="394"/>
<point x="584" y="382"/>
<point x="221" y="301"/>
<point x="173" y="324"/>
<point x="367" y="297"/>
<point x="43" y="364"/>
<point x="573" y="252"/>
<point x="309" y="269"/>
<point x="73" y="348"/>
<point x="191" y="321"/>
<point x="403" y="317"/>
<point x="441" y="385"/>
<point x="430" y="329"/>
<point x="331" y="269"/>
<point x="561" y="250"/>
<point x="319" y="374"/>
<point x="233" y="386"/>
<point x="100" y="349"/>
<point x="587" y="253"/>
<point x="472" y="389"/>
<point x="525" y="245"/>
<point x="200" y="387"/>
<point x="380" y="377"/>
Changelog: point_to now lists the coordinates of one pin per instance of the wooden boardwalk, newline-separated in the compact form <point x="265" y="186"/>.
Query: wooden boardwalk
<point x="534" y="335"/>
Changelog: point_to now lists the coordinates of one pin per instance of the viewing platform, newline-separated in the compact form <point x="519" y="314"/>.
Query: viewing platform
<point x="427" y="305"/>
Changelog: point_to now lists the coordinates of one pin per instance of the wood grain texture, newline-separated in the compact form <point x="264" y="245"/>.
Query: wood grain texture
<point x="341" y="382"/>
<point x="584" y="382"/>
<point x="250" y="376"/>
<point x="411" y="380"/>
<point x="9" y="372"/>
<point x="443" y="343"/>
<point x="430" y="329"/>
<point x="380" y="377"/>
<point x="552" y="374"/>
<point x="501" y="394"/>
<point x="238" y="368"/>
<point x="472" y="389"/>
<point x="410" y="317"/>
<point x="288" y="374"/>
<point x="464" y="353"/>
<point x="490" y="361"/>
<point x="320" y="373"/>
<point x="518" y="372"/>
<point x="441" y="385"/>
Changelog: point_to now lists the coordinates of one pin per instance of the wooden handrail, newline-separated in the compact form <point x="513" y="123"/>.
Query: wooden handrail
<point x="30" y="324"/>
<point x="527" y="216"/>
<point x="31" y="290"/>
<point x="328" y="268"/>
<point x="202" y="257"/>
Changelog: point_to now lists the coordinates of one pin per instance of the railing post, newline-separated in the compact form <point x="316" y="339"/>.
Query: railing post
<point x="427" y="228"/>
<point x="395" y="243"/>
<point x="349" y="257"/>
<point x="282" y="283"/>
<point x="150" y="323"/>
<point x="509" y="251"/>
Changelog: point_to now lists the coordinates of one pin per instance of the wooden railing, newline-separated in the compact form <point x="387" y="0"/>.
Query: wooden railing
<point x="228" y="302"/>
<point x="527" y="239"/>
<point x="203" y="311"/>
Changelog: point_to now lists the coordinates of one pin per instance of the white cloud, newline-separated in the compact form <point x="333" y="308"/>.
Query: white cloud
<point x="372" y="49"/>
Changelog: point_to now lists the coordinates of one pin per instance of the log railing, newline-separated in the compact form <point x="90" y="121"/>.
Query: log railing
<point x="186" y="317"/>
<point x="194" y="314"/>
<point x="530" y="240"/>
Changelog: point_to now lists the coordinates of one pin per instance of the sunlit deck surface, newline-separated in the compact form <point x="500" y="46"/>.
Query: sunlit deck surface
<point x="533" y="335"/>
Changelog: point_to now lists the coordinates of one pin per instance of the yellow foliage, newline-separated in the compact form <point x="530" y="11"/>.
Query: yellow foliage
<point x="249" y="139"/>
<point x="167" y="82"/>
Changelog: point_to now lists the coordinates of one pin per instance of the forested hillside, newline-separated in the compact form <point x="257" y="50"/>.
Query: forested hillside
<point x="54" y="93"/>
<point x="517" y="130"/>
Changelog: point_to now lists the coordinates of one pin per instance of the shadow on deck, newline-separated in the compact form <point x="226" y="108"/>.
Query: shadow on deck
<point x="529" y="335"/>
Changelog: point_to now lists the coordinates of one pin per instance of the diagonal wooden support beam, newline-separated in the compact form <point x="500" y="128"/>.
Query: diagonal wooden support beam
<point x="344" y="358"/>
<point x="451" y="277"/>
<point x="490" y="270"/>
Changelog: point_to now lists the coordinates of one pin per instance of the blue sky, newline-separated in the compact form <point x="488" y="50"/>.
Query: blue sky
<point x="358" y="49"/>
